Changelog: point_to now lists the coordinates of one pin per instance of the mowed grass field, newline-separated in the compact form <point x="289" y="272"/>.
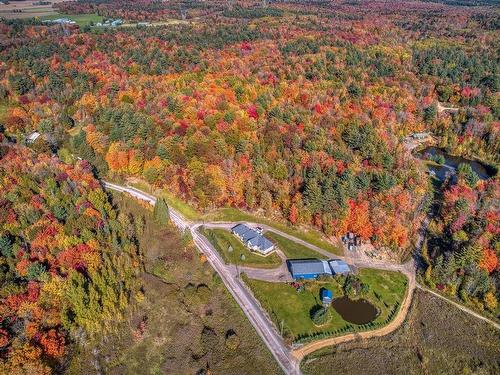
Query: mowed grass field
<point x="26" y="9"/>
<point x="292" y="309"/>
<point x="223" y="241"/>
<point x="291" y="249"/>
<point x="436" y="338"/>
<point x="80" y="19"/>
<point x="188" y="314"/>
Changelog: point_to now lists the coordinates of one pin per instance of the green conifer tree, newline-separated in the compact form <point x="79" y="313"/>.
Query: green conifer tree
<point x="160" y="212"/>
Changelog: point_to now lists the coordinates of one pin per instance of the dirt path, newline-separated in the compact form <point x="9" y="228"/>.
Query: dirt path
<point x="459" y="306"/>
<point x="274" y="275"/>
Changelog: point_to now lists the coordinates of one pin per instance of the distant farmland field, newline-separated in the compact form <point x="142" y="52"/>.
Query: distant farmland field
<point x="26" y="9"/>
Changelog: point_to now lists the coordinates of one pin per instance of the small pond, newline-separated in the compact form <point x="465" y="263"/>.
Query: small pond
<point x="451" y="164"/>
<point x="358" y="311"/>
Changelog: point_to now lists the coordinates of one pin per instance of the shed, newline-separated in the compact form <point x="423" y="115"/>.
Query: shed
<point x="308" y="268"/>
<point x="326" y="296"/>
<point x="32" y="137"/>
<point x="339" y="267"/>
<point x="239" y="230"/>
<point x="420" y="135"/>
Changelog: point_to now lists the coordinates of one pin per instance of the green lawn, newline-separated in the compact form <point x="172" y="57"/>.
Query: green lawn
<point x="222" y="239"/>
<point x="292" y="249"/>
<point x="179" y="205"/>
<point x="312" y="236"/>
<point x="80" y="19"/>
<point x="291" y="309"/>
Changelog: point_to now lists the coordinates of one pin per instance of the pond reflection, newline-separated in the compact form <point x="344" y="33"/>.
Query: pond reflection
<point x="449" y="164"/>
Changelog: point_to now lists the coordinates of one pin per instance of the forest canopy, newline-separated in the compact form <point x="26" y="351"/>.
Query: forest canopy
<point x="298" y="111"/>
<point x="68" y="261"/>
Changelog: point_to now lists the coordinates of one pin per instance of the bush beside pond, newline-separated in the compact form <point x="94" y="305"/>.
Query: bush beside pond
<point x="320" y="315"/>
<point x="291" y="310"/>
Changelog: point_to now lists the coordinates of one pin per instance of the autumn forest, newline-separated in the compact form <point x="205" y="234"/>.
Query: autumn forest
<point x="297" y="111"/>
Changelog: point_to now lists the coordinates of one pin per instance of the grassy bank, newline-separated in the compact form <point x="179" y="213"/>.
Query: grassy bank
<point x="292" y="249"/>
<point x="180" y="206"/>
<point x="436" y="338"/>
<point x="292" y="309"/>
<point x="231" y="249"/>
<point x="176" y="203"/>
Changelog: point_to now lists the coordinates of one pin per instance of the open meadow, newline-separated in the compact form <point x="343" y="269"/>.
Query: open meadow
<point x="436" y="338"/>
<point x="26" y="9"/>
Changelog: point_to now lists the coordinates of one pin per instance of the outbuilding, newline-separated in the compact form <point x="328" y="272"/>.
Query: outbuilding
<point x="308" y="268"/>
<point x="339" y="267"/>
<point x="32" y="137"/>
<point x="326" y="296"/>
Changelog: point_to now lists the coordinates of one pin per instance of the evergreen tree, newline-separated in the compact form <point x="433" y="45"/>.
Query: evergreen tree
<point x="312" y="195"/>
<point x="161" y="213"/>
<point x="466" y="172"/>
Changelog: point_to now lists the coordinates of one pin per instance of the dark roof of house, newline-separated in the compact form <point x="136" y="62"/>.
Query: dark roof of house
<point x="244" y="232"/>
<point x="249" y="235"/>
<point x="252" y="237"/>
<point x="261" y="242"/>
<point x="240" y="229"/>
<point x="339" y="266"/>
<point x="309" y="266"/>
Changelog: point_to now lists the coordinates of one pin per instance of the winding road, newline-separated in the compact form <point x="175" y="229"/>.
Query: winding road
<point x="288" y="358"/>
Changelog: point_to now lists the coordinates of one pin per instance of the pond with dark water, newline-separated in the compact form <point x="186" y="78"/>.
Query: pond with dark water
<point x="451" y="164"/>
<point x="358" y="311"/>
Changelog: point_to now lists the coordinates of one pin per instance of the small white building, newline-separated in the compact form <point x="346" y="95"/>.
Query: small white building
<point x="61" y="21"/>
<point x="32" y="138"/>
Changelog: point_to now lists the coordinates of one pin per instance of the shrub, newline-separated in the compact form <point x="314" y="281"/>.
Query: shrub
<point x="320" y="315"/>
<point x="232" y="340"/>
